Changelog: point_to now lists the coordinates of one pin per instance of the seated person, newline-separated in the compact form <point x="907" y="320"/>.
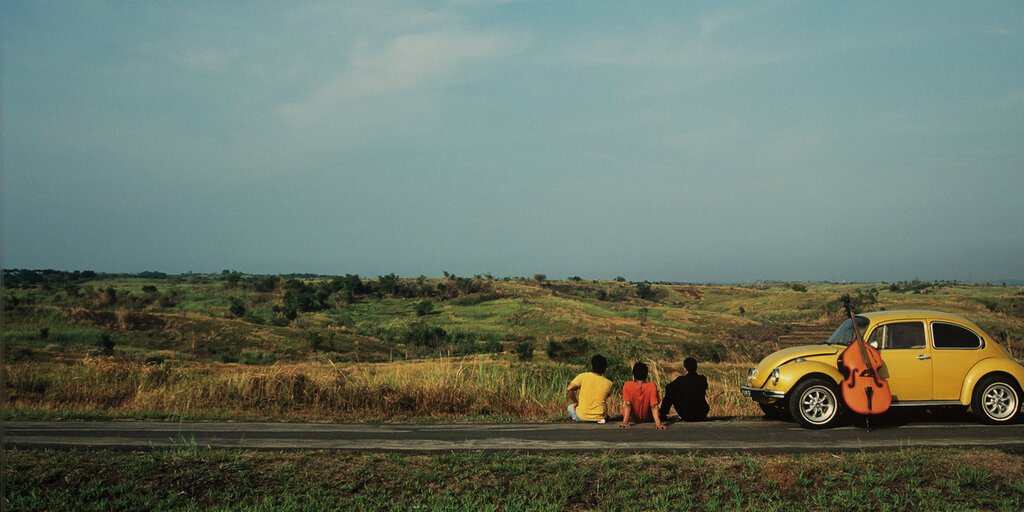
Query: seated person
<point x="688" y="394"/>
<point x="594" y="388"/>
<point x="640" y="399"/>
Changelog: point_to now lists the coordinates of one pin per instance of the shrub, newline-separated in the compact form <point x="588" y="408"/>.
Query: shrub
<point x="236" y="307"/>
<point x="915" y="286"/>
<point x="302" y="297"/>
<point x="858" y="302"/>
<point x="265" y="284"/>
<point x="492" y="347"/>
<point x="423" y="335"/>
<point x="466" y="343"/>
<point x="424" y="308"/>
<point x="524" y="350"/>
<point x="20" y="354"/>
<point x="617" y="294"/>
<point x="316" y="340"/>
<point x="645" y="291"/>
<point x="108" y="297"/>
<point x="105" y="345"/>
<point x="287" y="312"/>
<point x="231" y="278"/>
<point x="256" y="357"/>
<point x="572" y="350"/>
<point x="253" y="318"/>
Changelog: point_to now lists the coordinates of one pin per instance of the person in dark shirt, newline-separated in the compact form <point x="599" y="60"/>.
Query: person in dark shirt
<point x="688" y="394"/>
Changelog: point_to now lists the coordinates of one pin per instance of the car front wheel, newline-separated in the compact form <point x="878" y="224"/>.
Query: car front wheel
<point x="996" y="400"/>
<point x="814" y="403"/>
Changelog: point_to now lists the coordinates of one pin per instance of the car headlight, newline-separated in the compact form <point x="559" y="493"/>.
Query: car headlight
<point x="775" y="376"/>
<point x="751" y="374"/>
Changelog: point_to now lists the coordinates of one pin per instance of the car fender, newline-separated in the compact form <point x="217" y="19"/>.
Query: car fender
<point x="792" y="373"/>
<point x="986" y="367"/>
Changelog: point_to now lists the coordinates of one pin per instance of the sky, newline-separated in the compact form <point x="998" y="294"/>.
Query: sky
<point x="668" y="141"/>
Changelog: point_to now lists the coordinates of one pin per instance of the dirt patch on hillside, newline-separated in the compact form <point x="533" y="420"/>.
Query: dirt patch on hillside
<point x="122" y="320"/>
<point x="689" y="292"/>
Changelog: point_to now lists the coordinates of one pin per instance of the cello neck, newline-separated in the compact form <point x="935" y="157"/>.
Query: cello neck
<point x="861" y="344"/>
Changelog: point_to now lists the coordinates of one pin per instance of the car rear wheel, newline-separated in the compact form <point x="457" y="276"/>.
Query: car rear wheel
<point x="814" y="403"/>
<point x="996" y="400"/>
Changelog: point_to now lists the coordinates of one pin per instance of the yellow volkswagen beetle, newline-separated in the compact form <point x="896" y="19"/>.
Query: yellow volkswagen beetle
<point x="930" y="359"/>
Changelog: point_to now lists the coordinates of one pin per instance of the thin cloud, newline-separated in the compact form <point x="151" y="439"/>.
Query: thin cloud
<point x="1000" y="31"/>
<point x="676" y="47"/>
<point x="383" y="18"/>
<point x="710" y="23"/>
<point x="1013" y="99"/>
<point x="209" y="59"/>
<point x="404" y="63"/>
<point x="671" y="50"/>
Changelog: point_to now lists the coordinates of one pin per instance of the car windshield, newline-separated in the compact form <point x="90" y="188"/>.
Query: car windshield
<point x="844" y="334"/>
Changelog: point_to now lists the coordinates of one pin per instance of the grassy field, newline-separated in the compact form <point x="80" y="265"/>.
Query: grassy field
<point x="190" y="478"/>
<point x="306" y="348"/>
<point x="455" y="349"/>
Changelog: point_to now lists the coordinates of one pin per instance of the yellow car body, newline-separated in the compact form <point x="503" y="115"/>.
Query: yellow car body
<point x="930" y="359"/>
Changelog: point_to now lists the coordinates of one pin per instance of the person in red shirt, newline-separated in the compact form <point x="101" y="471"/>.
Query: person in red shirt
<point x="640" y="399"/>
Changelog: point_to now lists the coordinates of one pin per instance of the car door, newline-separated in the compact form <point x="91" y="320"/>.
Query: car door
<point x="956" y="350"/>
<point x="907" y="358"/>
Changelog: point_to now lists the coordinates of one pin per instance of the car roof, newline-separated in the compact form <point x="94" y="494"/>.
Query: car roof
<point x="914" y="314"/>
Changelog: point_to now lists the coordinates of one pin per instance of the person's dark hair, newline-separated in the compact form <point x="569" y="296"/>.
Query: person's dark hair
<point x="640" y="371"/>
<point x="690" y="364"/>
<point x="599" y="364"/>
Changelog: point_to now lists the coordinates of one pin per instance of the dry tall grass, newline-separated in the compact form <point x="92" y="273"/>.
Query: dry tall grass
<point x="437" y="390"/>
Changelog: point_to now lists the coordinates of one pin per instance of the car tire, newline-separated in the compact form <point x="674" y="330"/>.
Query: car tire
<point x="776" y="412"/>
<point x="996" y="400"/>
<point x="816" y="403"/>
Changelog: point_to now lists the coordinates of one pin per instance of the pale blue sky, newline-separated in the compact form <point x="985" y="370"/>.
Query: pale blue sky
<point x="690" y="141"/>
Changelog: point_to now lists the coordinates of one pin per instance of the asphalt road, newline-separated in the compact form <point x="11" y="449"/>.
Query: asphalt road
<point x="745" y="435"/>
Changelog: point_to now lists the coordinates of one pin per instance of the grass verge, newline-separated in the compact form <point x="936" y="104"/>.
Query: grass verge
<point x="190" y="478"/>
<point x="459" y="389"/>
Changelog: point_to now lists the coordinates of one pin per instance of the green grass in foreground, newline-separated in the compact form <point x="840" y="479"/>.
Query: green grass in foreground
<point x="189" y="478"/>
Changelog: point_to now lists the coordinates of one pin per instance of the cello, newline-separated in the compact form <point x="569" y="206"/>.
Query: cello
<point x="864" y="390"/>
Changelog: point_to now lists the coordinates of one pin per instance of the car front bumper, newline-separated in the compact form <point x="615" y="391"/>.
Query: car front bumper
<point x="762" y="396"/>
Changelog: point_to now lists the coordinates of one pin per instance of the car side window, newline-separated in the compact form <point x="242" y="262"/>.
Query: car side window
<point x="899" y="336"/>
<point x="953" y="336"/>
<point x="877" y="337"/>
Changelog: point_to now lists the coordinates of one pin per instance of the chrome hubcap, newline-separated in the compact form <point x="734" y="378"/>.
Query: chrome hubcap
<point x="818" y="405"/>
<point x="1000" y="401"/>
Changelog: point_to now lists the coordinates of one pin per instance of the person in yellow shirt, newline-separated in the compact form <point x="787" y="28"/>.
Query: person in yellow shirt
<point x="591" y="401"/>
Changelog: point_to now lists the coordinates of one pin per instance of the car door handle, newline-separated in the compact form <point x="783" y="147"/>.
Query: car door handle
<point x="923" y="357"/>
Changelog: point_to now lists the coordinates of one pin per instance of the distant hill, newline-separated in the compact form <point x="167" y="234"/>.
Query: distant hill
<point x="259" y="319"/>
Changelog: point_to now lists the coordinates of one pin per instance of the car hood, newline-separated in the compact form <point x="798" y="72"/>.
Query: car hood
<point x="776" y="359"/>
